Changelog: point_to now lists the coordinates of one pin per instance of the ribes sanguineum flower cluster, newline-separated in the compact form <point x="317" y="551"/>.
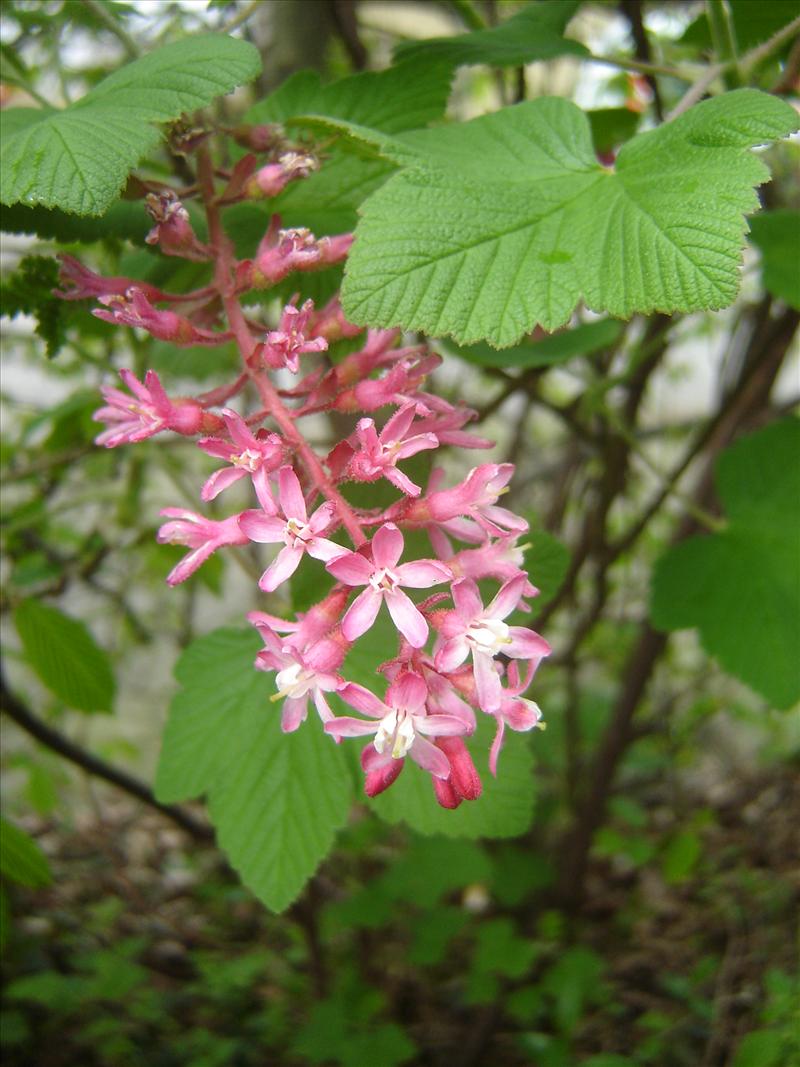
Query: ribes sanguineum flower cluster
<point x="457" y="654"/>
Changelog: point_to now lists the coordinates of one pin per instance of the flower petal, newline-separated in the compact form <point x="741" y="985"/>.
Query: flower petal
<point x="452" y="654"/>
<point x="429" y="757"/>
<point x="526" y="644"/>
<point x="266" y="529"/>
<point x="507" y="598"/>
<point x="351" y="568"/>
<point x="294" y="712"/>
<point x="360" y="698"/>
<point x="361" y="613"/>
<point x="423" y="573"/>
<point x="407" y="618"/>
<point x="220" y="480"/>
<point x="322" y="548"/>
<point x="282" y="567"/>
<point x="467" y="599"/>
<point x="487" y="681"/>
<point x="387" y="545"/>
<point x="291" y="495"/>
<point x="347" y="726"/>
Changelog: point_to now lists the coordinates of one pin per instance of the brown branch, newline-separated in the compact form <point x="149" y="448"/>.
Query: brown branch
<point x="632" y="10"/>
<point x="56" y="741"/>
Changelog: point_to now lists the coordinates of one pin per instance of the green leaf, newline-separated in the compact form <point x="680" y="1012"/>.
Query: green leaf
<point x="681" y="856"/>
<point x="126" y="219"/>
<point x="29" y="290"/>
<point x="583" y="340"/>
<point x="761" y="1048"/>
<point x="65" y="656"/>
<point x="21" y="859"/>
<point x="752" y="23"/>
<point x="508" y="220"/>
<point x="547" y="562"/>
<point x="405" y="97"/>
<point x="536" y="33"/>
<point x="78" y="159"/>
<point x="741" y="587"/>
<point x="276" y="799"/>
<point x="612" y="126"/>
<point x="777" y="236"/>
<point x="504" y="810"/>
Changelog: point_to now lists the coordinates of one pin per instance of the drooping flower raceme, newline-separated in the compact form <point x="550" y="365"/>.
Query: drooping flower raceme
<point x="476" y="663"/>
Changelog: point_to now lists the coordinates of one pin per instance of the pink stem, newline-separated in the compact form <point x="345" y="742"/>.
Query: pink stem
<point x="244" y="339"/>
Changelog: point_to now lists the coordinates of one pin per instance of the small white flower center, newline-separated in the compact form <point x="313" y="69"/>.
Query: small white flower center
<point x="384" y="580"/>
<point x="396" y="729"/>
<point x="249" y="460"/>
<point x="488" y="635"/>
<point x="295" y="530"/>
<point x="294" y="681"/>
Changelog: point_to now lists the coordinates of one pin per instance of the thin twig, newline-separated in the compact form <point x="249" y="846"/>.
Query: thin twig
<point x="56" y="741"/>
<point x="102" y="12"/>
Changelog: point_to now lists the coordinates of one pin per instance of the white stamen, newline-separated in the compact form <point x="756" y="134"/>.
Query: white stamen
<point x="397" y="729"/>
<point x="489" y="635"/>
<point x="294" y="681"/>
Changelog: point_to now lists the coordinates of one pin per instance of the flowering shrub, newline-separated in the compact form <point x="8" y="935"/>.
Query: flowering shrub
<point x="294" y="259"/>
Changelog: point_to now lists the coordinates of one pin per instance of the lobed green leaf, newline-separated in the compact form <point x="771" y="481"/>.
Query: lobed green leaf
<point x="507" y="221"/>
<point x="78" y="159"/>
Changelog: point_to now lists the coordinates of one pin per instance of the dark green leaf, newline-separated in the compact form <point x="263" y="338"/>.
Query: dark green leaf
<point x="776" y="234"/>
<point x="536" y="33"/>
<point x="583" y="340"/>
<point x="276" y="799"/>
<point x="21" y="859"/>
<point x="741" y="587"/>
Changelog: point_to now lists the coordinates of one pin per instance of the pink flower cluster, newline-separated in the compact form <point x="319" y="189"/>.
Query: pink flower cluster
<point x="455" y="655"/>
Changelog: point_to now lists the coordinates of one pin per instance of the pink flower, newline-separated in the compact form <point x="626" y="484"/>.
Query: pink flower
<point x="147" y="412"/>
<point x="330" y="322"/>
<point x="481" y="632"/>
<point x="318" y="622"/>
<point x="173" y="231"/>
<point x="383" y="579"/>
<point x="203" y="536"/>
<point x="402" y="722"/>
<point x="134" y="309"/>
<point x="284" y="251"/>
<point x="256" y="455"/>
<point x="514" y="711"/>
<point x="273" y="178"/>
<point x="463" y="782"/>
<point x="284" y="345"/>
<point x="298" y="533"/>
<point x="378" y="454"/>
<point x="88" y="285"/>
<point x="469" y="510"/>
<point x="501" y="559"/>
<point x="300" y="676"/>
<point x="446" y="423"/>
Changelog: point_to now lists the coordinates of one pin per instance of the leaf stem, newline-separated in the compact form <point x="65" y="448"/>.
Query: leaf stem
<point x="102" y="13"/>
<point x="724" y="39"/>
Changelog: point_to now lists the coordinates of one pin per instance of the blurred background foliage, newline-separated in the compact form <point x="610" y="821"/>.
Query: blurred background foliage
<point x="647" y="916"/>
